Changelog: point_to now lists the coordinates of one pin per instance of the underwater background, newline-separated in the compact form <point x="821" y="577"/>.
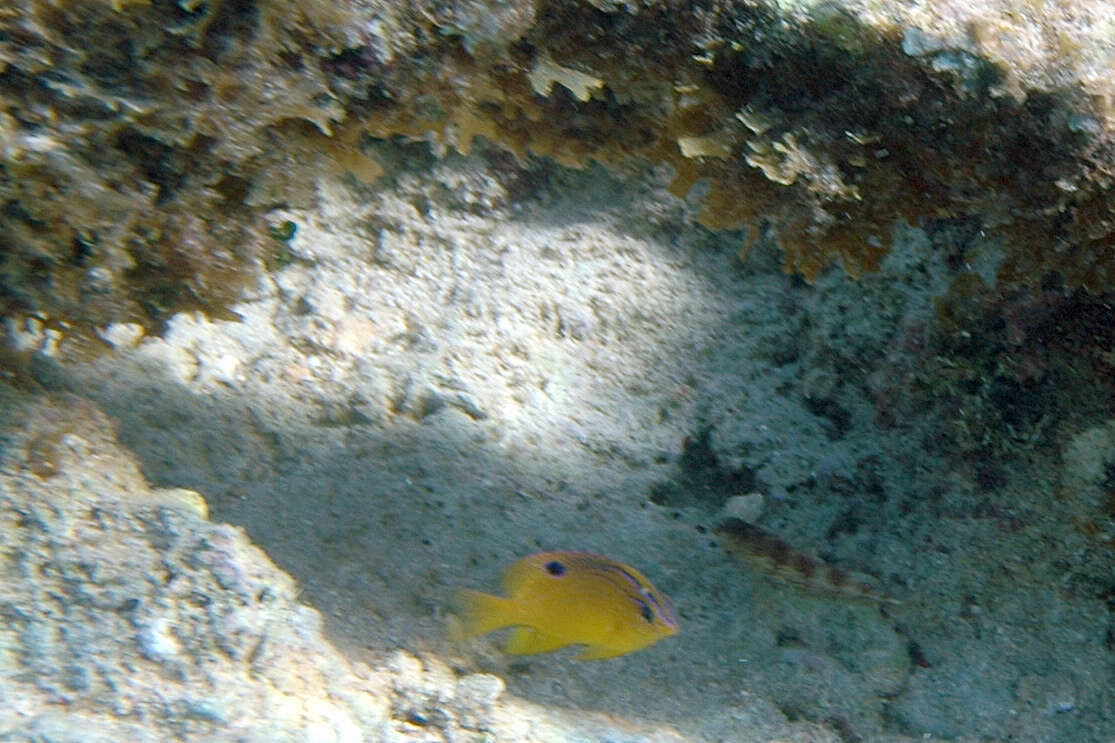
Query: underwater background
<point x="797" y="315"/>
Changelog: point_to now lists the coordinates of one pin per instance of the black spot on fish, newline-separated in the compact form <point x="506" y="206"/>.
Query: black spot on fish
<point x="553" y="567"/>
<point x="645" y="611"/>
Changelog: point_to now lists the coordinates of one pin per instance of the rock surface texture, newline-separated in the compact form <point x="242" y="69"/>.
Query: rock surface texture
<point x="315" y="311"/>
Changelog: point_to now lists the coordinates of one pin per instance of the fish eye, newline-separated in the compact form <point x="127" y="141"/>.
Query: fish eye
<point x="553" y="567"/>
<point x="645" y="611"/>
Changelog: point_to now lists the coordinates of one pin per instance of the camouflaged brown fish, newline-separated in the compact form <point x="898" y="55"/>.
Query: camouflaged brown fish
<point x="771" y="556"/>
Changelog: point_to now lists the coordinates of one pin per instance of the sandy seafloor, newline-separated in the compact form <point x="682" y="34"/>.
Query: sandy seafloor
<point x="448" y="375"/>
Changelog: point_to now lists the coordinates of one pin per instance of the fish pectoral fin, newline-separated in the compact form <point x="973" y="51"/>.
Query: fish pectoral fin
<point x="598" y="652"/>
<point x="529" y="641"/>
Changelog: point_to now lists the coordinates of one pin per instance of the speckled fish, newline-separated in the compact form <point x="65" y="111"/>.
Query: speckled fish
<point x="556" y="599"/>
<point x="770" y="556"/>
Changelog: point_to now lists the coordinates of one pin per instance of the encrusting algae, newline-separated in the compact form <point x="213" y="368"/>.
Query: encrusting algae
<point x="555" y="599"/>
<point x="137" y="176"/>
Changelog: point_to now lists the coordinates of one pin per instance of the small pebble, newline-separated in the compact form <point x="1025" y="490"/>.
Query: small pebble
<point x="746" y="507"/>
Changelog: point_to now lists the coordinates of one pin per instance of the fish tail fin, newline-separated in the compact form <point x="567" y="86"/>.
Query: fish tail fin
<point x="481" y="613"/>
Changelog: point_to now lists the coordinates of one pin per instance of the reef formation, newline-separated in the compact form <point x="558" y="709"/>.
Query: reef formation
<point x="142" y="144"/>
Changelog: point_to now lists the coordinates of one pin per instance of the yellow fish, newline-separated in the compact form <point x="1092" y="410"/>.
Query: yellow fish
<point x="556" y="599"/>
